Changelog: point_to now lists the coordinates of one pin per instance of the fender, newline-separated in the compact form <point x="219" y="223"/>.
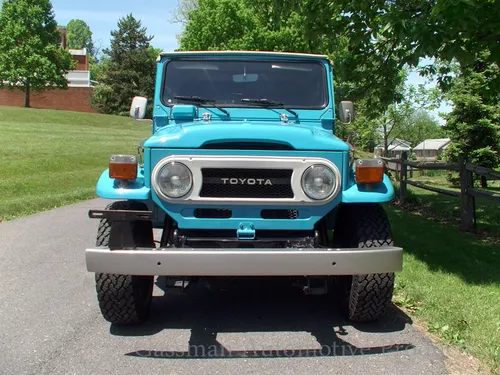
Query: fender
<point x="110" y="188"/>
<point x="364" y="193"/>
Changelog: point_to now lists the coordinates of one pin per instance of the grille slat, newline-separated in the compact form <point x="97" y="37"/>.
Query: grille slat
<point x="246" y="183"/>
<point x="280" y="214"/>
<point x="213" y="213"/>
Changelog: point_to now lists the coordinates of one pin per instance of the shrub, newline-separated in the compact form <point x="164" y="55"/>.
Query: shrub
<point x="453" y="178"/>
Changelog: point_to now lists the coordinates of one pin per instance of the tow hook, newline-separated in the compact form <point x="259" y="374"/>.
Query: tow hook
<point x="313" y="286"/>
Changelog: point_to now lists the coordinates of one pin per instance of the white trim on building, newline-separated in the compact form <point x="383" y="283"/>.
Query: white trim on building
<point x="395" y="147"/>
<point x="79" y="78"/>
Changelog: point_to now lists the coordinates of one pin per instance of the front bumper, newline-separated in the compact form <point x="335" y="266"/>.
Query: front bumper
<point x="244" y="262"/>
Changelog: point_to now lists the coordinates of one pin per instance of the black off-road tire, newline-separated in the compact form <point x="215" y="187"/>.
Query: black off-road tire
<point x="364" y="298"/>
<point x="125" y="299"/>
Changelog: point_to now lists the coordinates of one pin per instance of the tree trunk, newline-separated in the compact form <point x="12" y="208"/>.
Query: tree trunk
<point x="484" y="182"/>
<point x="386" y="146"/>
<point x="27" y="94"/>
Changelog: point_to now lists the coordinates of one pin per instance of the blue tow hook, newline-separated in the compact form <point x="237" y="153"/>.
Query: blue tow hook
<point x="246" y="231"/>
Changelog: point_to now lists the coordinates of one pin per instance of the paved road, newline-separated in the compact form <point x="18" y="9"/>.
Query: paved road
<point x="50" y="324"/>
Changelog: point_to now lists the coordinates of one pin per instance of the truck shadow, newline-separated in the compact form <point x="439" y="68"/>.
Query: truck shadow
<point x="264" y="305"/>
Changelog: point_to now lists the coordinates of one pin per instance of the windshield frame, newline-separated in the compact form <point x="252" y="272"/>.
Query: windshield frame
<point x="243" y="105"/>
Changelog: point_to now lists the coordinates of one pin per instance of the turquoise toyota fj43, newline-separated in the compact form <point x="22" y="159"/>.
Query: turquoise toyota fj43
<point x="244" y="176"/>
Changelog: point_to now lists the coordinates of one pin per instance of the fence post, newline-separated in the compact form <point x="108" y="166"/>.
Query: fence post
<point x="467" y="202"/>
<point x="402" y="183"/>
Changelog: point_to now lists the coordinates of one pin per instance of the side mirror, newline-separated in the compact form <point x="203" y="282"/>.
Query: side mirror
<point x="346" y="112"/>
<point x="138" y="107"/>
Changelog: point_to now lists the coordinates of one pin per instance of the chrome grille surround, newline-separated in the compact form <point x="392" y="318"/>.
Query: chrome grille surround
<point x="198" y="162"/>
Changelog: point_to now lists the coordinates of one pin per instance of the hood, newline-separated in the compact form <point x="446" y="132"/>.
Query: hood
<point x="200" y="134"/>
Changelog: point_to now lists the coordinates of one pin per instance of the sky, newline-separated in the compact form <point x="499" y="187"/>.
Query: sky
<point x="102" y="17"/>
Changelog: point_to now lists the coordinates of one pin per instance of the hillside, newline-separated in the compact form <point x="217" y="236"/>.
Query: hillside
<point x="52" y="158"/>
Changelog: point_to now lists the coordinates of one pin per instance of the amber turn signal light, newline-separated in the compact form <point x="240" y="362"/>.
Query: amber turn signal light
<point x="123" y="167"/>
<point x="369" y="171"/>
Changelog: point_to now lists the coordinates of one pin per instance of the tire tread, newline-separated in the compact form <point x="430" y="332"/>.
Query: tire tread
<point x="365" y="297"/>
<point x="124" y="299"/>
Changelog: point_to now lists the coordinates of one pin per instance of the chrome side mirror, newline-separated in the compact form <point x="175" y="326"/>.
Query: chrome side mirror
<point x="346" y="112"/>
<point x="138" y="107"/>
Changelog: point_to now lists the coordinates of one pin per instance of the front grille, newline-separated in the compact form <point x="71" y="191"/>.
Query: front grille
<point x="280" y="214"/>
<point x="213" y="213"/>
<point x="246" y="183"/>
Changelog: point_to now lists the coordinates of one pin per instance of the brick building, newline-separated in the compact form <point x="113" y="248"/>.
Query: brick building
<point x="75" y="98"/>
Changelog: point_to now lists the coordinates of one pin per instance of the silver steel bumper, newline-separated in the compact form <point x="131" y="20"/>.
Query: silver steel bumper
<point x="245" y="262"/>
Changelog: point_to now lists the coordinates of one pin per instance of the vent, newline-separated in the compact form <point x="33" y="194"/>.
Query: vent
<point x="213" y="213"/>
<point x="280" y="214"/>
<point x="246" y="146"/>
<point x="246" y="183"/>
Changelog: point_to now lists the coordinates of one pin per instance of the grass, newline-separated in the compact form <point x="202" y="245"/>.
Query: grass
<point x="360" y="154"/>
<point x="450" y="279"/>
<point x="53" y="158"/>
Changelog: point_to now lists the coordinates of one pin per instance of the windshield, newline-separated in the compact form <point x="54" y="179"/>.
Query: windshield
<point x="226" y="82"/>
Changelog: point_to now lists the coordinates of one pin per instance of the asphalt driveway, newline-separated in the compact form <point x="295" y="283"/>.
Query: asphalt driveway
<point x="50" y="322"/>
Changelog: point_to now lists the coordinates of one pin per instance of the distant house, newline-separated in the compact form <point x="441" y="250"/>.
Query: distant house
<point x="395" y="148"/>
<point x="431" y="148"/>
<point x="75" y="98"/>
<point x="80" y="76"/>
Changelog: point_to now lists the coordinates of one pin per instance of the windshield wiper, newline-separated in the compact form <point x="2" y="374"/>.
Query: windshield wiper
<point x="268" y="103"/>
<point x="200" y="100"/>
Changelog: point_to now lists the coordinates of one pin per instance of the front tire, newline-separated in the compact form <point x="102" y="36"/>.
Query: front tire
<point x="125" y="299"/>
<point x="364" y="298"/>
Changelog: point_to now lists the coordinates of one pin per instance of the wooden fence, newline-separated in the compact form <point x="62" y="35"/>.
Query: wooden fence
<point x="467" y="192"/>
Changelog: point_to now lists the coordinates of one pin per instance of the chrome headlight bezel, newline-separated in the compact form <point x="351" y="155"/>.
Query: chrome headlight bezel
<point x="335" y="179"/>
<point x="156" y="184"/>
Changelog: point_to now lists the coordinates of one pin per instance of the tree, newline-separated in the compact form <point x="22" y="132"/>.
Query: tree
<point x="30" y="56"/>
<point x="393" y="123"/>
<point x="422" y="126"/>
<point x="78" y="36"/>
<point x="474" y="122"/>
<point x="448" y="31"/>
<point x="181" y="13"/>
<point x="264" y="25"/>
<point x="409" y="119"/>
<point x="406" y="119"/>
<point x="128" y="68"/>
<point x="441" y="29"/>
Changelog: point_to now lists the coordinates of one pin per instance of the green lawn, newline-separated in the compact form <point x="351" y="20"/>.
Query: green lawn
<point x="52" y="158"/>
<point x="360" y="154"/>
<point x="450" y="279"/>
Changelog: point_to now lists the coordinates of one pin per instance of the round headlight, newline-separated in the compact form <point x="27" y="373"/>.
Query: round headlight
<point x="174" y="180"/>
<point x="318" y="182"/>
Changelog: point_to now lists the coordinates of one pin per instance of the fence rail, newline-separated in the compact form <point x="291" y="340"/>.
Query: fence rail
<point x="467" y="192"/>
<point x="434" y="189"/>
<point x="482" y="171"/>
<point x="426" y="165"/>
